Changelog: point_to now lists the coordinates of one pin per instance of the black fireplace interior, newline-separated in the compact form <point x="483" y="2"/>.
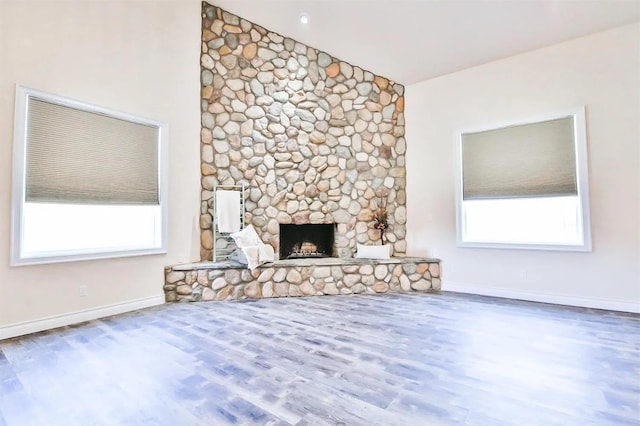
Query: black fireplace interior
<point x="307" y="240"/>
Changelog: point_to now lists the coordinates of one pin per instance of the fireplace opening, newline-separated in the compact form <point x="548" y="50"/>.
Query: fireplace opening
<point x="307" y="240"/>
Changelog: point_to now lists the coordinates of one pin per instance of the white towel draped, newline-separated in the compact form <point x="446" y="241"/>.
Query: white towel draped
<point x="228" y="210"/>
<point x="255" y="251"/>
<point x="257" y="255"/>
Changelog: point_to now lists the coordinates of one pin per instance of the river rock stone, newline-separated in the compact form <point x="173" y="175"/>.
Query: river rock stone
<point x="421" y="285"/>
<point x="174" y="276"/>
<point x="252" y="290"/>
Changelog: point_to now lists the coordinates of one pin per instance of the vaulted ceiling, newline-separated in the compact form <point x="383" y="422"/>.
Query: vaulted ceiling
<point x="414" y="40"/>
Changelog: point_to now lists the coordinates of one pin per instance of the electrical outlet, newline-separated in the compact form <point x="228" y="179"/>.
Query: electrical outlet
<point x="434" y="253"/>
<point x="524" y="274"/>
<point x="83" y="291"/>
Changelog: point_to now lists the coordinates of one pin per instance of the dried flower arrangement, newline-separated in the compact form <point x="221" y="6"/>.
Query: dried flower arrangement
<point x="381" y="218"/>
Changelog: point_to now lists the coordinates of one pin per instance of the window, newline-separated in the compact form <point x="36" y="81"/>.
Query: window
<point x="525" y="185"/>
<point x="88" y="182"/>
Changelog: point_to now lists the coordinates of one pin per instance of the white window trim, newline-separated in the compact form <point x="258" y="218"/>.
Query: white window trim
<point x="19" y="178"/>
<point x="578" y="114"/>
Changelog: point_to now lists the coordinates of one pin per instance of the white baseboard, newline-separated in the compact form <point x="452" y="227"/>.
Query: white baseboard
<point x="27" y="327"/>
<point x="585" y="302"/>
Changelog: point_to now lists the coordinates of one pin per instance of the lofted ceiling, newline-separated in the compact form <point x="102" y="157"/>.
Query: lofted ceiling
<point x="414" y="40"/>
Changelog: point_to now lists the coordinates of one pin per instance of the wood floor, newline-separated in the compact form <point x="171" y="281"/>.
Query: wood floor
<point x="335" y="360"/>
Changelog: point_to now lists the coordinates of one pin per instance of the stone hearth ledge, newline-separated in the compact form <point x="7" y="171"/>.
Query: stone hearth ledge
<point x="205" y="281"/>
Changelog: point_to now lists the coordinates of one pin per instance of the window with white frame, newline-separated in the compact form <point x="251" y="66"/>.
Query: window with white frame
<point x="525" y="185"/>
<point x="88" y="182"/>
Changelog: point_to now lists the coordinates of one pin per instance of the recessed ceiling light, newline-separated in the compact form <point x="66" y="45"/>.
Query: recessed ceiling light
<point x="304" y="18"/>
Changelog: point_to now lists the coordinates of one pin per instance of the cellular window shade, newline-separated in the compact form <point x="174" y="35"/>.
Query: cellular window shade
<point x="82" y="157"/>
<point x="530" y="160"/>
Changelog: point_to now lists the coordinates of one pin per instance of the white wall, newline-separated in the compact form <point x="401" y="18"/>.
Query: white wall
<point x="601" y="71"/>
<point x="137" y="57"/>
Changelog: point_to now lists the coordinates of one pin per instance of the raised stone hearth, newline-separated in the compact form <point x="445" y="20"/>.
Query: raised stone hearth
<point x="300" y="277"/>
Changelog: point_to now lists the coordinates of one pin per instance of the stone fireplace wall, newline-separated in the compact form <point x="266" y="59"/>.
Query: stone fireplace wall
<point x="315" y="139"/>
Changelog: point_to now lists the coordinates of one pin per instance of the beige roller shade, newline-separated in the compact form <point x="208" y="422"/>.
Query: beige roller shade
<point x="77" y="156"/>
<point x="529" y="160"/>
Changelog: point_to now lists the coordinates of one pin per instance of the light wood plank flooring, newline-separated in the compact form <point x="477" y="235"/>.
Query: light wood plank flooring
<point x="393" y="359"/>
